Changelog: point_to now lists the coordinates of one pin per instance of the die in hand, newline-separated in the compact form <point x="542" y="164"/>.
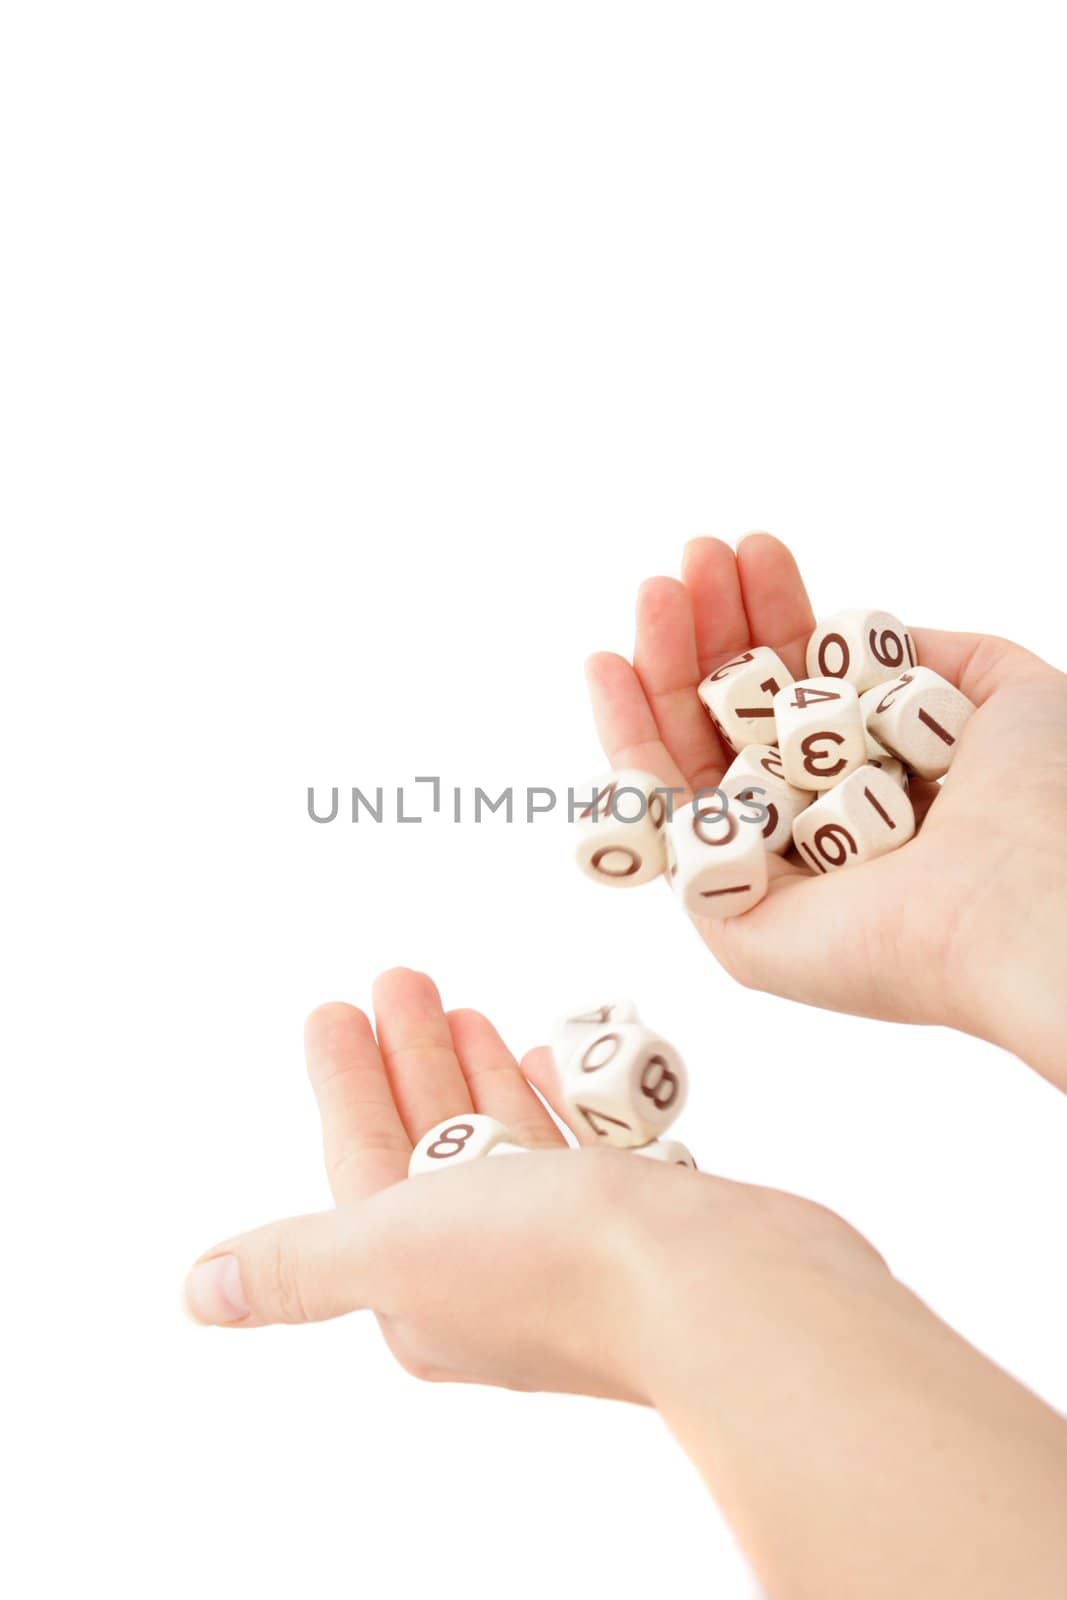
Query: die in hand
<point x="618" y="1080"/>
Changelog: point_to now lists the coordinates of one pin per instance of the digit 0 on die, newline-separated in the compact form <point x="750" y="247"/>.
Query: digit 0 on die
<point x="457" y="1140"/>
<point x="623" y="1084"/>
<point x="620" y="820"/>
<point x="866" y="816"/>
<point x="820" y="732"/>
<point x="865" y="647"/>
<point x="716" y="856"/>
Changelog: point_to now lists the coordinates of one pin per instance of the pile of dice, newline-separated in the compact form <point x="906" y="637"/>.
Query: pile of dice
<point x="823" y="766"/>
<point x="618" y="1080"/>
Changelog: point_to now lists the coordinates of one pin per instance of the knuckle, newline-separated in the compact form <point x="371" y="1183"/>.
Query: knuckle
<point x="284" y="1285"/>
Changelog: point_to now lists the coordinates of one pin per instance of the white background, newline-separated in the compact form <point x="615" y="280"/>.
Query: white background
<point x="358" y="361"/>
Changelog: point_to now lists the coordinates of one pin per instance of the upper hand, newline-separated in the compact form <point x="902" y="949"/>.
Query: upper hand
<point x="966" y="925"/>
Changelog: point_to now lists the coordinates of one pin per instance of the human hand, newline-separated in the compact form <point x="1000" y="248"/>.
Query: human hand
<point x="539" y="1271"/>
<point x="966" y="925"/>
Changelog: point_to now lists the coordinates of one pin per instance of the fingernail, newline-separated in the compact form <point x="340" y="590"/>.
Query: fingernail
<point x="214" y="1292"/>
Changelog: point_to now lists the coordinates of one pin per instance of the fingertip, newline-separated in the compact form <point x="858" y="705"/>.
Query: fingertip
<point x="702" y="549"/>
<point x="403" y="984"/>
<point x="331" y="1017"/>
<point x="656" y="595"/>
<point x="539" y="1067"/>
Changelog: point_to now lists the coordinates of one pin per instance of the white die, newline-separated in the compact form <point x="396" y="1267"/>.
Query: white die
<point x="889" y="764"/>
<point x="716" y="856"/>
<point x="623" y="1083"/>
<point x="457" y="1140"/>
<point x="820" y="732"/>
<point x="865" y="816"/>
<point x="866" y="647"/>
<point x="918" y="717"/>
<point x="739" y="696"/>
<point x="666" y="1150"/>
<point x="757" y="776"/>
<point x="622" y="843"/>
<point x="567" y="1032"/>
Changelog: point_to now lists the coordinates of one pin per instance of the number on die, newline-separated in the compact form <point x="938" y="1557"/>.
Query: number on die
<point x="866" y="816"/>
<point x="457" y="1140"/>
<point x="618" y="1080"/>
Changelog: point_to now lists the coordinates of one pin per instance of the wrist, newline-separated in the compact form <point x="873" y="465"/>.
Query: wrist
<point x="709" y="1260"/>
<point x="1011" y="978"/>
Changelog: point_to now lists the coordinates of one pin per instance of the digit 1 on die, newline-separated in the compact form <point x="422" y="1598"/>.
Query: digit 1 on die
<point x="716" y="856"/>
<point x="866" y="816"/>
<point x="919" y="717"/>
<point x="739" y="696"/>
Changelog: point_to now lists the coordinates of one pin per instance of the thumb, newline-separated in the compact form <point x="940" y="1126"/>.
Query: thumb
<point x="304" y="1269"/>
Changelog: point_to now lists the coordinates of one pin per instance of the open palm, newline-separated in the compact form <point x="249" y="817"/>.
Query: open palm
<point x="914" y="936"/>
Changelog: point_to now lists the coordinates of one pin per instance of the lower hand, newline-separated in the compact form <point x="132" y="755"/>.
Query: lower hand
<point x="544" y="1271"/>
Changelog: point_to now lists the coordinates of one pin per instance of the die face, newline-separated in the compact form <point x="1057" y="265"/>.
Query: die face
<point x="567" y="1032"/>
<point x="895" y="769"/>
<point x="820" y="732"/>
<point x="739" y="696"/>
<point x="863" y="647"/>
<point x="456" y="1141"/>
<point x="757" y="778"/>
<point x="620" y="829"/>
<point x="670" y="1151"/>
<point x="624" y="1084"/>
<point x="919" y="717"/>
<point x="866" y="816"/>
<point x="716" y="857"/>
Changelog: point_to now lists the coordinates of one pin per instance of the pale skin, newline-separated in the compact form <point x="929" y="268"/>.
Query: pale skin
<point x="856" y="1444"/>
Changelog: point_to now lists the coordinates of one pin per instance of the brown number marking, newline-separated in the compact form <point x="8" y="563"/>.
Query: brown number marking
<point x="882" y="812"/>
<point x="709" y="894"/>
<point x="776" y="771"/>
<point x="812" y="857"/>
<point x="887" y="699"/>
<point x="911" y="650"/>
<point x="588" y="1064"/>
<point x="889" y="649"/>
<point x="769" y="686"/>
<point x="842" y="644"/>
<point x="451" y="1136"/>
<point x="841" y="840"/>
<point x="593" y="1117"/>
<point x="728" y="666"/>
<point x="772" y="819"/>
<point x="811" y="756"/>
<point x="666" y="1081"/>
<point x="935" y="727"/>
<point x="607" y="794"/>
<point x="806" y="697"/>
<point x="700" y="820"/>
<point x="601" y="1014"/>
<point x="634" y="861"/>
